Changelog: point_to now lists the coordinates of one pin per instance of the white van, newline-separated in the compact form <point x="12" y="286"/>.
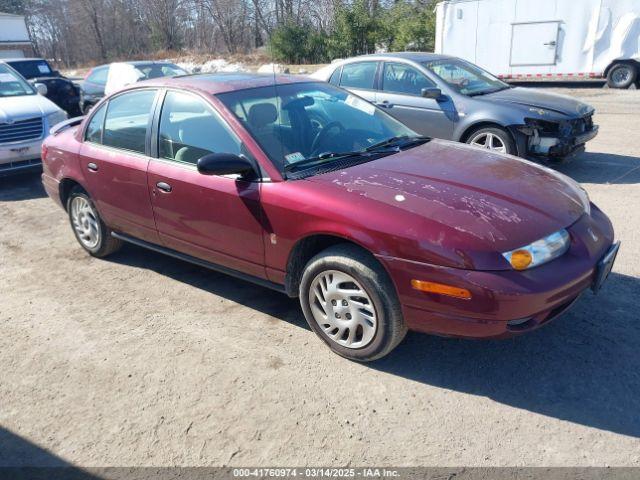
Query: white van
<point x="26" y="117"/>
<point x="553" y="39"/>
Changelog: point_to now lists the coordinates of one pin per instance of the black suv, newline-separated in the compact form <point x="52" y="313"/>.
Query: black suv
<point x="60" y="90"/>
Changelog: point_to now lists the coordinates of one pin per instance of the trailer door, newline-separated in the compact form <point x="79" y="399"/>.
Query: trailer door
<point x="534" y="43"/>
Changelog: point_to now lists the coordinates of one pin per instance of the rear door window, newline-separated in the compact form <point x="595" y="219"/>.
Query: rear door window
<point x="359" y="75"/>
<point x="93" y="133"/>
<point x="127" y="120"/>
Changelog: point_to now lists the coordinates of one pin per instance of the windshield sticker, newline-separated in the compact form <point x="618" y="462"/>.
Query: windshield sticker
<point x="361" y="105"/>
<point x="43" y="68"/>
<point x="294" y="157"/>
<point x="7" y="77"/>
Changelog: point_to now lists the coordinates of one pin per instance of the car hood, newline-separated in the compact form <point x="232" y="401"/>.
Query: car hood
<point x="461" y="198"/>
<point x="13" y="109"/>
<point x="535" y="100"/>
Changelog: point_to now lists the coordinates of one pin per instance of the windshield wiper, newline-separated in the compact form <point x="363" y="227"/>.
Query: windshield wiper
<point x="399" y="142"/>
<point x="313" y="161"/>
<point x="487" y="92"/>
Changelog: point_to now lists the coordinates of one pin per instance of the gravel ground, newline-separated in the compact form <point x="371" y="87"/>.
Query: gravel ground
<point x="144" y="360"/>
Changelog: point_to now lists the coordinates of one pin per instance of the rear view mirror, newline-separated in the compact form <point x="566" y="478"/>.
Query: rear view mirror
<point x="224" y="164"/>
<point x="41" y="88"/>
<point x="431" y="92"/>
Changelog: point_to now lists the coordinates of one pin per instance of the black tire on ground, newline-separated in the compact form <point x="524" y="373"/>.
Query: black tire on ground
<point x="498" y="132"/>
<point x="622" y="75"/>
<point x="107" y="244"/>
<point x="390" y="328"/>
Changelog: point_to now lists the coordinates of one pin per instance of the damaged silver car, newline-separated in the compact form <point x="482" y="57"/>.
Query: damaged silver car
<point x="447" y="97"/>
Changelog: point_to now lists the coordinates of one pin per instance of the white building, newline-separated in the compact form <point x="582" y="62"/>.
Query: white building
<point x="14" y="37"/>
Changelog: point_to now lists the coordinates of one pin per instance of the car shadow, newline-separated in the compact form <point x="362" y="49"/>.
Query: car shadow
<point x="24" y="186"/>
<point x="583" y="367"/>
<point x="603" y="168"/>
<point x="256" y="297"/>
<point x="21" y="459"/>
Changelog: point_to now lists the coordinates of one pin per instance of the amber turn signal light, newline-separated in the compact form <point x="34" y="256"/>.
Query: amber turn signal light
<point x="441" y="288"/>
<point x="521" y="259"/>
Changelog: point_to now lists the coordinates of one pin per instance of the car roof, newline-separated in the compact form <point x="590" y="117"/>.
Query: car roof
<point x="22" y="59"/>
<point x="413" y="56"/>
<point x="214" y="83"/>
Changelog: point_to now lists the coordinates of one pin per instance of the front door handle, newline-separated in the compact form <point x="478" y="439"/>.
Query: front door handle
<point x="92" y="166"/>
<point x="551" y="44"/>
<point x="165" y="187"/>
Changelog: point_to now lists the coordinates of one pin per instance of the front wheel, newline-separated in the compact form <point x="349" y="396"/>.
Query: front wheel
<point x="350" y="302"/>
<point x="492" y="138"/>
<point x="90" y="231"/>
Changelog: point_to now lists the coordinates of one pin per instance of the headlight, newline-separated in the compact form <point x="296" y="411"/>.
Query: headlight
<point x="539" y="252"/>
<point x="56" y="117"/>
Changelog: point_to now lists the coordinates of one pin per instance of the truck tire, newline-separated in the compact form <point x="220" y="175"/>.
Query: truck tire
<point x="351" y="303"/>
<point x="622" y="75"/>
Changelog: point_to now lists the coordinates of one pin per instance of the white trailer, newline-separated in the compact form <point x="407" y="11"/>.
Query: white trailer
<point x="552" y="39"/>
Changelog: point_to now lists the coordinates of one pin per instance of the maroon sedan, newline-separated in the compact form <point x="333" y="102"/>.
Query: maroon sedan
<point x="304" y="188"/>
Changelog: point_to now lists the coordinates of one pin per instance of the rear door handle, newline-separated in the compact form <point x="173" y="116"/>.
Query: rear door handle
<point x="92" y="166"/>
<point x="551" y="44"/>
<point x="165" y="187"/>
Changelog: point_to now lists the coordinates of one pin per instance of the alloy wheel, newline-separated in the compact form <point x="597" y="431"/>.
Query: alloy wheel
<point x="85" y="222"/>
<point x="489" y="141"/>
<point x="342" y="309"/>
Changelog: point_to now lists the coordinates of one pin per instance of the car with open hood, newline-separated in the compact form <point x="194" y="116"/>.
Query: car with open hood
<point x="450" y="98"/>
<point x="25" y="119"/>
<point x="60" y="90"/>
<point x="307" y="189"/>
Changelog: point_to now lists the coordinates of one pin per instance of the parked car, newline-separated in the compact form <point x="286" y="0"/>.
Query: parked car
<point x="25" y="119"/>
<point x="60" y="90"/>
<point x="450" y="98"/>
<point x="307" y="189"/>
<point x="108" y="78"/>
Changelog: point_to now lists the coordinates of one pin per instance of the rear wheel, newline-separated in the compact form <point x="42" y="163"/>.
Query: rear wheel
<point x="492" y="138"/>
<point x="90" y="231"/>
<point x="621" y="75"/>
<point x="350" y="302"/>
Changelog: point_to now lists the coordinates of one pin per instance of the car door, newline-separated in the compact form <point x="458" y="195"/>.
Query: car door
<point x="113" y="158"/>
<point x="401" y="94"/>
<point x="360" y="78"/>
<point x="215" y="218"/>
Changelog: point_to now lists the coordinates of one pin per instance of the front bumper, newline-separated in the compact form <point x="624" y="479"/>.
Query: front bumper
<point x="506" y="302"/>
<point x="554" y="141"/>
<point x="20" y="157"/>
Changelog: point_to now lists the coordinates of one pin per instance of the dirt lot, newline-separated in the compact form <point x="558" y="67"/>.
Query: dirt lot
<point x="145" y="360"/>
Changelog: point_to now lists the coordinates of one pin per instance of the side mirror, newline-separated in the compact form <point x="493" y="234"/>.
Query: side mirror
<point x="224" y="164"/>
<point x="41" y="88"/>
<point x="431" y="92"/>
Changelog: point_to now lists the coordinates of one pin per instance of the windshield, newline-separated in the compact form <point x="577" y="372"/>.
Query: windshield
<point x="299" y="122"/>
<point x="157" y="70"/>
<point x="12" y="84"/>
<point x="464" y="77"/>
<point x="32" y="68"/>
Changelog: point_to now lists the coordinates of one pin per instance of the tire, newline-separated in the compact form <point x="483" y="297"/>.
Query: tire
<point x="350" y="318"/>
<point x="90" y="231"/>
<point x="622" y="75"/>
<point x="500" y="139"/>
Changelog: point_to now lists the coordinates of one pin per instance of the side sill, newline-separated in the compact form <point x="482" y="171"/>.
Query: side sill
<point x="202" y="263"/>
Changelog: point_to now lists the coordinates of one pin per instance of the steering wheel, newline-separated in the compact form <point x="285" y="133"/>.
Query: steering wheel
<point x="323" y="134"/>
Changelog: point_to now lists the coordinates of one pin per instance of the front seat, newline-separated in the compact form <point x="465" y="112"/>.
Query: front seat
<point x="261" y="119"/>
